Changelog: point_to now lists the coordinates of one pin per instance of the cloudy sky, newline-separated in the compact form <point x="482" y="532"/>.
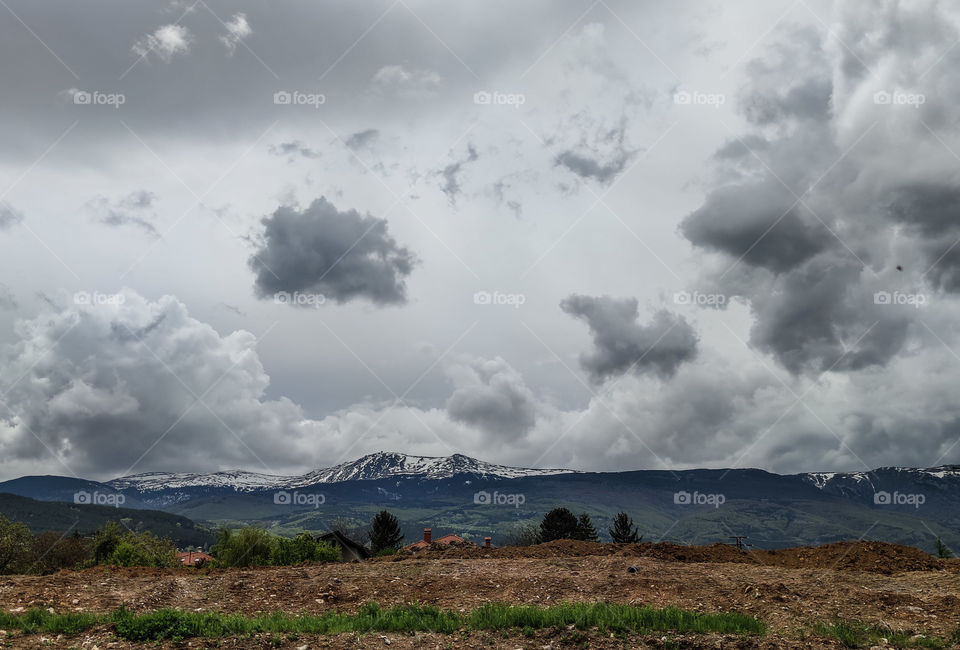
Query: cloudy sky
<point x="603" y="235"/>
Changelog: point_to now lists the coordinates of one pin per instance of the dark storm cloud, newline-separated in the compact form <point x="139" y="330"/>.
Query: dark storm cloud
<point x="293" y="149"/>
<point x="820" y="317"/>
<point x="131" y="210"/>
<point x="361" y="139"/>
<point x="451" y="174"/>
<point x="759" y="223"/>
<point x="342" y="255"/>
<point x="8" y="215"/>
<point x="494" y="399"/>
<point x="622" y="344"/>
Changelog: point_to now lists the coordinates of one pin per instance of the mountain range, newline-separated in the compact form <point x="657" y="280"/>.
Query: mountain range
<point x="473" y="498"/>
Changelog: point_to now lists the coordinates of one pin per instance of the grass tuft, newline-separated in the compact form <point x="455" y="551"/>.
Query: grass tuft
<point x="176" y="625"/>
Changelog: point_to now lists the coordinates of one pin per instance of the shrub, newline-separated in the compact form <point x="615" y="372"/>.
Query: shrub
<point x="52" y="552"/>
<point x="15" y="546"/>
<point x="245" y="548"/>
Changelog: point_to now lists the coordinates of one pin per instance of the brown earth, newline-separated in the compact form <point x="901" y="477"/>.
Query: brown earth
<point x="892" y="585"/>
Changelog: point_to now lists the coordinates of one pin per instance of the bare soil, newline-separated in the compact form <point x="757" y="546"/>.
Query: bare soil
<point x="892" y="585"/>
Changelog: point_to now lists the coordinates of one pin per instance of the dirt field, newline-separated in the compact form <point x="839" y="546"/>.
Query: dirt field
<point x="897" y="586"/>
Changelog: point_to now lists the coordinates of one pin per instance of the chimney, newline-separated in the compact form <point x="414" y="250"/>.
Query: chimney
<point x="427" y="535"/>
<point x="486" y="542"/>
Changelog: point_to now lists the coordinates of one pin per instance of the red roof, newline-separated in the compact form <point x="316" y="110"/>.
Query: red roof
<point x="446" y="539"/>
<point x="193" y="557"/>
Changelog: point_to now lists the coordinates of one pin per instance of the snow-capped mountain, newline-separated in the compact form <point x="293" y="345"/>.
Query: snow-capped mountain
<point x="376" y="466"/>
<point x="866" y="484"/>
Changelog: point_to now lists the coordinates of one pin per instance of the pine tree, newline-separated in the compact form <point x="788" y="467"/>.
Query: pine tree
<point x="384" y="532"/>
<point x="559" y="523"/>
<point x="585" y="530"/>
<point x="942" y="550"/>
<point x="623" y="531"/>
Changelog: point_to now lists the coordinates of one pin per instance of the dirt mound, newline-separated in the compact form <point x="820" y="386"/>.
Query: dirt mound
<point x="875" y="557"/>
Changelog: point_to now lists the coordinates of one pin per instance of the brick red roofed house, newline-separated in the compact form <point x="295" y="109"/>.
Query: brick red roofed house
<point x="446" y="540"/>
<point x="194" y="558"/>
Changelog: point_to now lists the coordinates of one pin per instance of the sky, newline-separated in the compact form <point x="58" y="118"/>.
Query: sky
<point x="599" y="235"/>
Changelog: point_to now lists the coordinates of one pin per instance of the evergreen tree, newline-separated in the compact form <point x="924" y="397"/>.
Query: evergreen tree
<point x="384" y="532"/>
<point x="942" y="550"/>
<point x="559" y="523"/>
<point x="623" y="531"/>
<point x="585" y="530"/>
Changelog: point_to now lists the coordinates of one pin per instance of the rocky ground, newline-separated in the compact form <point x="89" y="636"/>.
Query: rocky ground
<point x="895" y="586"/>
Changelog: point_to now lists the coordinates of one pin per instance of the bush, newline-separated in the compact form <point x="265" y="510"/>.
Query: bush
<point x="52" y="552"/>
<point x="524" y="536"/>
<point x="252" y="546"/>
<point x="143" y="549"/>
<point x="302" y="548"/>
<point x="245" y="548"/>
<point x="15" y="546"/>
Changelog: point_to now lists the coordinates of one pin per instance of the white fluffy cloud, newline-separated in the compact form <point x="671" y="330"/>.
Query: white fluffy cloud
<point x="165" y="43"/>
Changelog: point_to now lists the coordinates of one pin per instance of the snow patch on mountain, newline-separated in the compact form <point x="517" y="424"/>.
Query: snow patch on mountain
<point x="371" y="467"/>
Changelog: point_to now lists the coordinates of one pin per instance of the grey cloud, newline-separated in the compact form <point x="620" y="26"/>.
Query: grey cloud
<point x="451" y="174"/>
<point x="342" y="255"/>
<point x="9" y="216"/>
<point x="601" y="157"/>
<point x="362" y="139"/>
<point x="292" y="149"/>
<point x="492" y="396"/>
<point x="7" y="299"/>
<point x="759" y="223"/>
<point x="621" y="344"/>
<point x="131" y="210"/>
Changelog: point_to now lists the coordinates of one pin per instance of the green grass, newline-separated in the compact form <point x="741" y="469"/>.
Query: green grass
<point x="176" y="625"/>
<point x="611" y="618"/>
<point x="856" y="634"/>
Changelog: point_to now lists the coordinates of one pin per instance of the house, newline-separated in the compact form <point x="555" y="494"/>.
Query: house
<point x="446" y="540"/>
<point x="194" y="558"/>
<point x="349" y="549"/>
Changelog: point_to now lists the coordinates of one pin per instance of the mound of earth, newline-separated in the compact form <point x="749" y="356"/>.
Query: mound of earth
<point x="875" y="557"/>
